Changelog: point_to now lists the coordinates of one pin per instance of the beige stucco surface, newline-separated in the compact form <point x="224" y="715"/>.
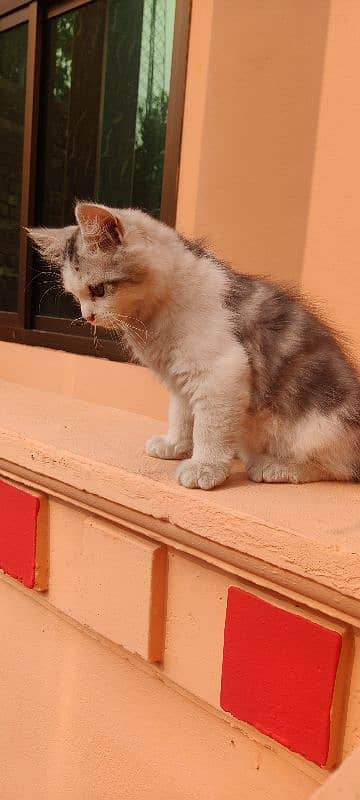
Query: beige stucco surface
<point x="97" y="380"/>
<point x="106" y="579"/>
<point x="254" y="106"/>
<point x="344" y="784"/>
<point x="332" y="252"/>
<point x="83" y="722"/>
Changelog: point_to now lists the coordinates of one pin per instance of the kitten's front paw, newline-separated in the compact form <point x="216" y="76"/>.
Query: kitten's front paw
<point x="161" y="447"/>
<point x="195" y="475"/>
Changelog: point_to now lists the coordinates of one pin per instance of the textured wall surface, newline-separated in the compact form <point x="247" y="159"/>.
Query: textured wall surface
<point x="136" y="626"/>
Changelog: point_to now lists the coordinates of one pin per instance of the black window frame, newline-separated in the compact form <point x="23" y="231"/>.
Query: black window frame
<point x="58" y="332"/>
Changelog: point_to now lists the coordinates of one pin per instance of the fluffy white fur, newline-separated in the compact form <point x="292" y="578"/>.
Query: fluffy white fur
<point x="169" y="304"/>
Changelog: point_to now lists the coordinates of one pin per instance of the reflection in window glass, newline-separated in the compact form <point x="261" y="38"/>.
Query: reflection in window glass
<point x="104" y="109"/>
<point x="13" y="44"/>
<point x="154" y="85"/>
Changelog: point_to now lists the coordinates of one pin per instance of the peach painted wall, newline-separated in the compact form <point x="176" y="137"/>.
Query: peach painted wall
<point x="87" y="723"/>
<point x="270" y="167"/>
<point x="253" y="104"/>
<point x="95" y="720"/>
<point x="96" y="380"/>
<point x="331" y="268"/>
<point x="270" y="171"/>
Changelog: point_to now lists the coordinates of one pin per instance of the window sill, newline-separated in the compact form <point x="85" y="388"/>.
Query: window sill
<point x="302" y="540"/>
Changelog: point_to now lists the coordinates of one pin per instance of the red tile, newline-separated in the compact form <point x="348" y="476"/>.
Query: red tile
<point x="279" y="673"/>
<point x="18" y="528"/>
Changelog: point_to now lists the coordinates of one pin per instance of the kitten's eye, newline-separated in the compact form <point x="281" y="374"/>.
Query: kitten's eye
<point x="97" y="290"/>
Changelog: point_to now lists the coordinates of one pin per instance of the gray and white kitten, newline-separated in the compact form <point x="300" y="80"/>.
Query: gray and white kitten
<point x="251" y="370"/>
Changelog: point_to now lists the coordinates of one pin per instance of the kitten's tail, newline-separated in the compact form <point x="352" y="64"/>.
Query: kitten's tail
<point x="356" y="472"/>
<point x="356" y="462"/>
<point x="354" y="430"/>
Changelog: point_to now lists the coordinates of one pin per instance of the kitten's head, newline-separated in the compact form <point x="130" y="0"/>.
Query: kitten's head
<point x="111" y="262"/>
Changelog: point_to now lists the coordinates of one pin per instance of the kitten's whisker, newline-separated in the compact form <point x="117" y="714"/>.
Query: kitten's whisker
<point x="50" y="289"/>
<point x="39" y="275"/>
<point x="131" y="331"/>
<point x="137" y="332"/>
<point x="95" y="338"/>
<point x="77" y="319"/>
<point x="114" y="333"/>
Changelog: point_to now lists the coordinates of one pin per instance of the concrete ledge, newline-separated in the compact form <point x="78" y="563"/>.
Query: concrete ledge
<point x="309" y="532"/>
<point x="149" y="567"/>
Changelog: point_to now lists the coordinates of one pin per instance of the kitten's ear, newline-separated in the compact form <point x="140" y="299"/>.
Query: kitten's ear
<point x="100" y="226"/>
<point x="49" y="242"/>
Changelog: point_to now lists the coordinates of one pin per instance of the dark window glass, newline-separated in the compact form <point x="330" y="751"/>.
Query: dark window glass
<point x="13" y="45"/>
<point x="103" y="113"/>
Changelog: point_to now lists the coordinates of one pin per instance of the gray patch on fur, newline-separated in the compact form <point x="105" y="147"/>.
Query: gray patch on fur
<point x="71" y="249"/>
<point x="196" y="247"/>
<point x="297" y="363"/>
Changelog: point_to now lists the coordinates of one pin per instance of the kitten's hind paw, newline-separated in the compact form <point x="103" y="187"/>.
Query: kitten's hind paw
<point x="272" y="472"/>
<point x="161" y="447"/>
<point x="195" y="475"/>
<point x="263" y="471"/>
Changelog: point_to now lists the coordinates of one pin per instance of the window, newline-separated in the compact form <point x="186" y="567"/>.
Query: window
<point x="91" y="93"/>
<point x="13" y="45"/>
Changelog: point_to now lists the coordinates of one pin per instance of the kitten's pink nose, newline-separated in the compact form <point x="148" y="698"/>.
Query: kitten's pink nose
<point x="90" y="318"/>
